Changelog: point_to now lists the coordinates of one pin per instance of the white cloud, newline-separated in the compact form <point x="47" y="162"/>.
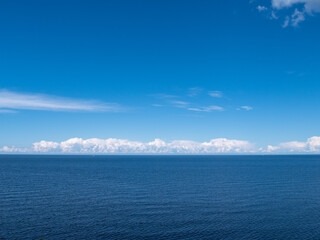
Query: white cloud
<point x="46" y="146"/>
<point x="14" y="101"/>
<point x="309" y="5"/>
<point x="180" y="104"/>
<point x="271" y="148"/>
<point x="13" y="149"/>
<point x="286" y="22"/>
<point x="174" y="101"/>
<point x="274" y="15"/>
<point x="297" y="17"/>
<point x="312" y="145"/>
<point x="163" y="96"/>
<point x="299" y="10"/>
<point x="122" y="146"/>
<point x="158" y="146"/>
<point x="157" y="105"/>
<point x="195" y="91"/>
<point x="7" y="111"/>
<point x="262" y="8"/>
<point x="247" y="108"/>
<point x="207" y="109"/>
<point x="216" y="94"/>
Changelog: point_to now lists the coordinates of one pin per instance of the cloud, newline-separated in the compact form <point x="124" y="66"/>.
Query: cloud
<point x="158" y="146"/>
<point x="310" y="6"/>
<point x="163" y="96"/>
<point x="312" y="145"/>
<point x="157" y="105"/>
<point x="195" y="91"/>
<point x="179" y="104"/>
<point x="299" y="10"/>
<point x="10" y="101"/>
<point x="261" y="8"/>
<point x="297" y="17"/>
<point x="247" y="108"/>
<point x="286" y="22"/>
<point x="174" y="101"/>
<point x="7" y="111"/>
<point x="207" y="109"/>
<point x="216" y="94"/>
<point x="14" y="149"/>
<point x="273" y="15"/>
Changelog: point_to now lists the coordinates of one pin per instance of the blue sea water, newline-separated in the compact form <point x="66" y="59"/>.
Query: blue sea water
<point x="159" y="197"/>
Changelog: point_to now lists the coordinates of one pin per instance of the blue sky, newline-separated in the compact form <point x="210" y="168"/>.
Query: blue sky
<point x="169" y="70"/>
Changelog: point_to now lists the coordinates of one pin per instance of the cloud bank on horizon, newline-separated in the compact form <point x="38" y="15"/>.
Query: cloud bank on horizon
<point x="158" y="146"/>
<point x="122" y="146"/>
<point x="296" y="11"/>
<point x="312" y="145"/>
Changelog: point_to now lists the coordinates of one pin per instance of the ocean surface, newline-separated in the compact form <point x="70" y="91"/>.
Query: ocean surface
<point x="159" y="197"/>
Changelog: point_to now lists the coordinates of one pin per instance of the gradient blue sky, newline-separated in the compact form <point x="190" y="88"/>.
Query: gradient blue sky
<point x="174" y="70"/>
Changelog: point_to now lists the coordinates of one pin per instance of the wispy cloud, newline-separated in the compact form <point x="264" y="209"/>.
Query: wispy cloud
<point x="247" y="108"/>
<point x="309" y="6"/>
<point x="216" y="94"/>
<point x="273" y="15"/>
<point x="163" y="96"/>
<point x="295" y="11"/>
<point x="286" y="22"/>
<point x="297" y="17"/>
<point x="169" y="100"/>
<point x="194" y="104"/>
<point x="261" y="8"/>
<point x="206" y="109"/>
<point x="195" y="91"/>
<point x="180" y="104"/>
<point x="10" y="101"/>
<point x="4" y="111"/>
<point x="157" y="105"/>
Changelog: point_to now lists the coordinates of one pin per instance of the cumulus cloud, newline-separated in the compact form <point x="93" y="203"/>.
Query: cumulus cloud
<point x="14" y="149"/>
<point x="123" y="146"/>
<point x="312" y="145"/>
<point x="10" y="101"/>
<point x="206" y="109"/>
<point x="158" y="146"/>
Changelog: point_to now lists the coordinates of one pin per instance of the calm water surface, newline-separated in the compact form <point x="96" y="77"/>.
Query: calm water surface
<point x="159" y="197"/>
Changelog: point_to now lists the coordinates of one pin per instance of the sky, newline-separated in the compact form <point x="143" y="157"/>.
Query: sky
<point x="186" y="77"/>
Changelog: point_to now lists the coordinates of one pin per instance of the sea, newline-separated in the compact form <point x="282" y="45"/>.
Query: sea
<point x="57" y="197"/>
